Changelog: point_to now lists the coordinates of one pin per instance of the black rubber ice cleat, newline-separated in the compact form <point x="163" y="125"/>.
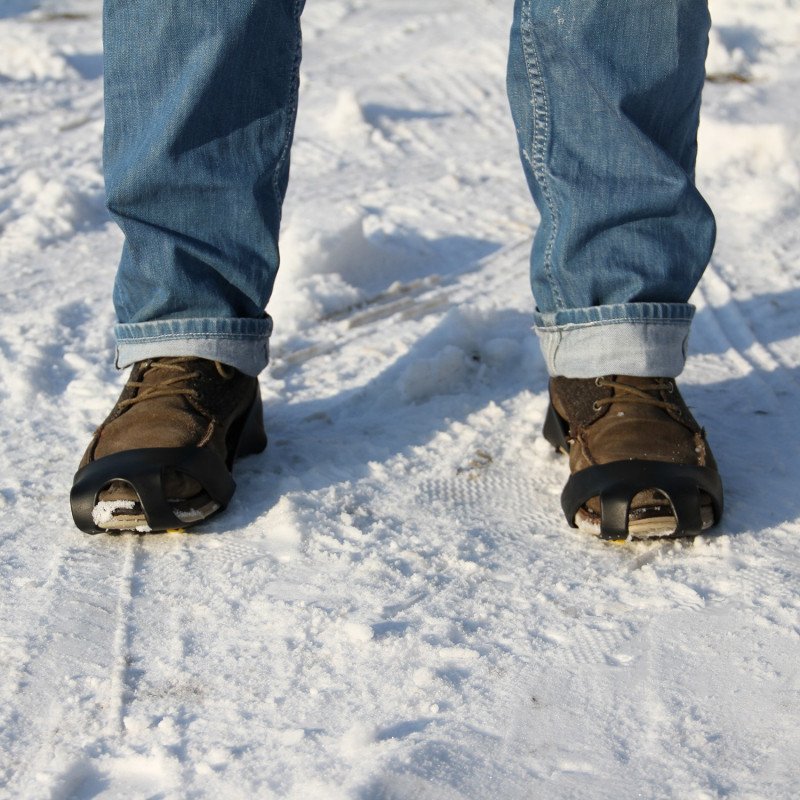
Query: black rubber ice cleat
<point x="693" y="494"/>
<point x="163" y="458"/>
<point x="144" y="471"/>
<point x="617" y="483"/>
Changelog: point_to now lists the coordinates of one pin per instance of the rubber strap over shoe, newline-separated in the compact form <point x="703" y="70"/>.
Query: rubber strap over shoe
<point x="617" y="483"/>
<point x="556" y="430"/>
<point x="144" y="470"/>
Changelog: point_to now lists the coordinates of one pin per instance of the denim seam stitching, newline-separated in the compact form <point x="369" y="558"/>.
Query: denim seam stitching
<point x="566" y="326"/>
<point x="541" y="128"/>
<point x="291" y="111"/>
<point x="161" y="338"/>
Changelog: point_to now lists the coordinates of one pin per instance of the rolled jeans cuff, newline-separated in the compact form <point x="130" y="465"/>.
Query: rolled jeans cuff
<point x="240" y="343"/>
<point x="641" y="339"/>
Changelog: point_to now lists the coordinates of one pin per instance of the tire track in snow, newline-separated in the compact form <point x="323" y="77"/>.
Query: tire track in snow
<point x="744" y="347"/>
<point x="74" y="670"/>
<point x="119" y="689"/>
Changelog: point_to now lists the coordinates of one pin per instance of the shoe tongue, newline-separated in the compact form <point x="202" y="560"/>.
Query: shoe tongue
<point x="171" y="361"/>
<point x="643" y="384"/>
<point x="158" y="369"/>
<point x="165" y="382"/>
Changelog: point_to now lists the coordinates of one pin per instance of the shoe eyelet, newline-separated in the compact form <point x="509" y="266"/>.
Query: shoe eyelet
<point x="598" y="381"/>
<point x="596" y="406"/>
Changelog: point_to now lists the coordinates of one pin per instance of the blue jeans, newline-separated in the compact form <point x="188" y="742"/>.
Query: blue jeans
<point x="200" y="99"/>
<point x="606" y="99"/>
<point x="200" y="106"/>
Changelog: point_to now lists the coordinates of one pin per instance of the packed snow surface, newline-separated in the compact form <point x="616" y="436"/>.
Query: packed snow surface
<point x="393" y="606"/>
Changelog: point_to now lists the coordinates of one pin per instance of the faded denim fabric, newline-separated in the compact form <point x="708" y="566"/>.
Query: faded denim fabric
<point x="605" y="98"/>
<point x="201" y="98"/>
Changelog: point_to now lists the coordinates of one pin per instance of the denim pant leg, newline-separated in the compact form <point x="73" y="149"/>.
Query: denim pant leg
<point x="605" y="98"/>
<point x="200" y="106"/>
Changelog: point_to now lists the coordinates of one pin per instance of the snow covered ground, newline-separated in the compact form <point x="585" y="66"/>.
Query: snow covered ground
<point x="393" y="606"/>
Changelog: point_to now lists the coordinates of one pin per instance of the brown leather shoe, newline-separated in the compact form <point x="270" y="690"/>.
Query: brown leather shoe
<point x="641" y="466"/>
<point x="162" y="459"/>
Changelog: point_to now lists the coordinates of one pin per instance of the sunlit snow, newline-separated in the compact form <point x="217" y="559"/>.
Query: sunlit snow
<point x="393" y="606"/>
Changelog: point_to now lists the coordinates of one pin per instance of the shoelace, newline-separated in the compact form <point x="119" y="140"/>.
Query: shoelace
<point x="169" y="386"/>
<point x="625" y="393"/>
